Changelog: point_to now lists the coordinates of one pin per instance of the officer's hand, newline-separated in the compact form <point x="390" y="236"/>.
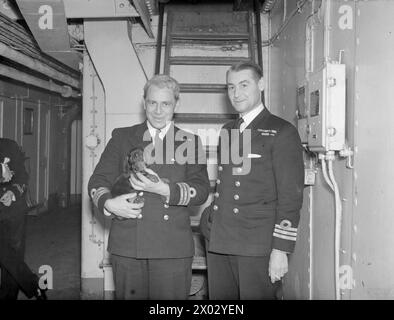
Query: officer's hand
<point x="145" y="184"/>
<point x="124" y="207"/>
<point x="278" y="265"/>
<point x="7" y="198"/>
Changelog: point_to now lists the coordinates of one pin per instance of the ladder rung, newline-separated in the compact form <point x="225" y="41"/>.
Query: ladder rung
<point x="199" y="263"/>
<point x="176" y="43"/>
<point x="208" y="36"/>
<point x="206" y="61"/>
<point x="199" y="87"/>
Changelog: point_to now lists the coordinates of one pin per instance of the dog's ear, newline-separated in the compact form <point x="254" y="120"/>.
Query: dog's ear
<point x="137" y="160"/>
<point x="127" y="164"/>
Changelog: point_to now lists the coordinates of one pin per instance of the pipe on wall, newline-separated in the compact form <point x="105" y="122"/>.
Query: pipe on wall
<point x="285" y="23"/>
<point x="159" y="37"/>
<point x="257" y="12"/>
<point x="36" y="65"/>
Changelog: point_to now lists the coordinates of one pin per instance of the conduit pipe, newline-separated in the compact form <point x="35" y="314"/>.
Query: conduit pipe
<point x="257" y="12"/>
<point x="159" y="37"/>
<point x="324" y="170"/>
<point x="338" y="217"/>
<point x="330" y="179"/>
<point x="283" y="26"/>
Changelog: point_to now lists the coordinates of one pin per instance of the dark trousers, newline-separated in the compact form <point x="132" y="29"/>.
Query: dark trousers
<point x="157" y="279"/>
<point x="15" y="274"/>
<point x="233" y="277"/>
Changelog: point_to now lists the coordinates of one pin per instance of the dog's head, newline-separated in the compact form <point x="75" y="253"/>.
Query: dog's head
<point x="135" y="160"/>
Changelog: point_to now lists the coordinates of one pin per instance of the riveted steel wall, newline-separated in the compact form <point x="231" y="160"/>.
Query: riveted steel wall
<point x="373" y="219"/>
<point x="339" y="30"/>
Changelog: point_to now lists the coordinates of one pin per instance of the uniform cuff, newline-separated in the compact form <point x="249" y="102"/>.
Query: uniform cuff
<point x="102" y="200"/>
<point x="181" y="193"/>
<point x="174" y="194"/>
<point x="284" y="236"/>
<point x="99" y="196"/>
<point x="283" y="245"/>
<point x="278" y="250"/>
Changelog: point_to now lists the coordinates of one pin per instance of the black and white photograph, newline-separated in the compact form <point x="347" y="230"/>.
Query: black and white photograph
<point x="196" y="155"/>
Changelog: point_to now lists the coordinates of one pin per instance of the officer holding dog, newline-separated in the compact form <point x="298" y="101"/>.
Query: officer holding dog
<point x="152" y="249"/>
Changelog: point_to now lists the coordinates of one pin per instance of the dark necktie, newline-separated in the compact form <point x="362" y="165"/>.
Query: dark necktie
<point x="238" y="123"/>
<point x="158" y="148"/>
<point x="236" y="141"/>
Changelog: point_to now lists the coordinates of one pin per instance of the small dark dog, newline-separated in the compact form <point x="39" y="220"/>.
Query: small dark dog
<point x="134" y="163"/>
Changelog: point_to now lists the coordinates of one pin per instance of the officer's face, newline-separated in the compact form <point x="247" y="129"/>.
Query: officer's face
<point x="160" y="105"/>
<point x="244" y="90"/>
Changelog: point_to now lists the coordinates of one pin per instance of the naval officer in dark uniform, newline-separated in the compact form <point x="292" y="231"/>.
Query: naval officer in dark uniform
<point x="15" y="274"/>
<point x="252" y="222"/>
<point x="152" y="249"/>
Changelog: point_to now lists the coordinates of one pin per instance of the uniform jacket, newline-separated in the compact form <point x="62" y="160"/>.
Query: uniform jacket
<point x="164" y="230"/>
<point x="12" y="160"/>
<point x="255" y="212"/>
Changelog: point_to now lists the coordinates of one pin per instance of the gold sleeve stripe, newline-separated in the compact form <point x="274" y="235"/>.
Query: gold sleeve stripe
<point x="184" y="189"/>
<point x="181" y="193"/>
<point x="187" y="194"/>
<point x="281" y="236"/>
<point x="287" y="233"/>
<point x="97" y="193"/>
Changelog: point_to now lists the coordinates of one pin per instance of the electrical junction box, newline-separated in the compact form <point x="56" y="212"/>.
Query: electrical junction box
<point x="327" y="105"/>
<point x="321" y="122"/>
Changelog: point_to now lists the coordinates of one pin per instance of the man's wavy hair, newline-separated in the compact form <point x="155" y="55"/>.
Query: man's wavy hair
<point x="163" y="81"/>
<point x="240" y="66"/>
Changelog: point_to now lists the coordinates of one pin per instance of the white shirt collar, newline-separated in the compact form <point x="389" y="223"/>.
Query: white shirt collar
<point x="163" y="131"/>
<point x="250" y="116"/>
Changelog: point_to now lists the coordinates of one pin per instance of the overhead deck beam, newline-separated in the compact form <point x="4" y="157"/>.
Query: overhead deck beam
<point x="47" y="22"/>
<point x="99" y="9"/>
<point x="38" y="66"/>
